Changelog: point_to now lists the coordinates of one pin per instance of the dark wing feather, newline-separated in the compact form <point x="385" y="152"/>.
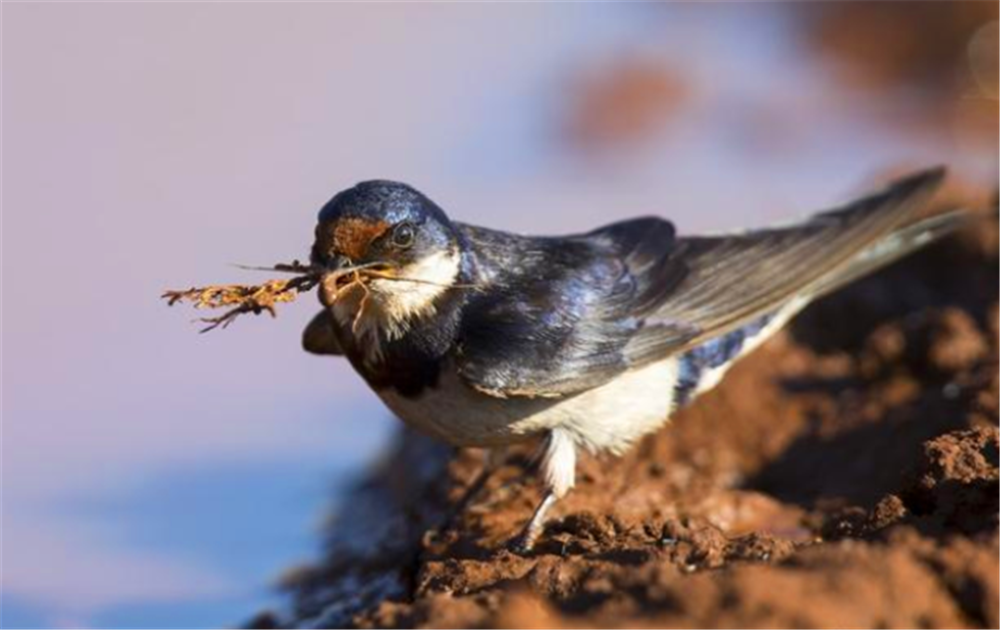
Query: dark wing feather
<point x="557" y="313"/>
<point x="732" y="280"/>
<point x="560" y="316"/>
<point x="319" y="336"/>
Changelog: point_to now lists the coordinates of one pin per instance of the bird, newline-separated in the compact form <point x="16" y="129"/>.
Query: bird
<point x="586" y="342"/>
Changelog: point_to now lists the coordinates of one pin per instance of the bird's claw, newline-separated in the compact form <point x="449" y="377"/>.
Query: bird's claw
<point x="524" y="543"/>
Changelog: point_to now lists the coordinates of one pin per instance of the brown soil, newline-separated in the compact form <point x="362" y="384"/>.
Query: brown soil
<point x="845" y="475"/>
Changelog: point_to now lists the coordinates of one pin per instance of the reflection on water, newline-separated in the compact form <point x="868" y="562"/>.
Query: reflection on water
<point x="154" y="477"/>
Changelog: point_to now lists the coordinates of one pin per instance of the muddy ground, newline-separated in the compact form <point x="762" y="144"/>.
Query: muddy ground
<point x="844" y="475"/>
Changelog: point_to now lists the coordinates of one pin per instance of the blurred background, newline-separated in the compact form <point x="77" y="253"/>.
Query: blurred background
<point x="154" y="477"/>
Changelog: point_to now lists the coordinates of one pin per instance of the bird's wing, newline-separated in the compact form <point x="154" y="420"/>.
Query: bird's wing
<point x="729" y="281"/>
<point x="558" y="313"/>
<point x="319" y="336"/>
<point x="567" y="315"/>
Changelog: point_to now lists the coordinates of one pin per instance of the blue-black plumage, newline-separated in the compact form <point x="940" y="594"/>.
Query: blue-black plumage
<point x="715" y="353"/>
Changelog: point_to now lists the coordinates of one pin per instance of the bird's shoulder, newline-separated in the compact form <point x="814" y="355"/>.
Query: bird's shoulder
<point x="552" y="316"/>
<point x="629" y="252"/>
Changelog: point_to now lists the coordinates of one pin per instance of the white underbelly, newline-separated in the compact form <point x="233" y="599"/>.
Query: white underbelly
<point x="610" y="417"/>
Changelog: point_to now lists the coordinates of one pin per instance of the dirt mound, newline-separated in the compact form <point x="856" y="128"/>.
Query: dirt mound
<point x="844" y="475"/>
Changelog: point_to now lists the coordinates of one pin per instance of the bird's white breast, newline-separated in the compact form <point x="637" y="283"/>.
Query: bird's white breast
<point x="610" y="417"/>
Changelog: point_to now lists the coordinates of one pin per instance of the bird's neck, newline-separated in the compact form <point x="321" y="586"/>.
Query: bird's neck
<point x="406" y="354"/>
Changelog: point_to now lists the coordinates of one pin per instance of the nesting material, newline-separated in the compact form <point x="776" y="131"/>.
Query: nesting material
<point x="260" y="298"/>
<point x="240" y="299"/>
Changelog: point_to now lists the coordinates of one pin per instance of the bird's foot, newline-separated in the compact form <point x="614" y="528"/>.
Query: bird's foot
<point x="525" y="541"/>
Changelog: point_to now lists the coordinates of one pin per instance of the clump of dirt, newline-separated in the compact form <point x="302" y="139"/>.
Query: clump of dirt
<point x="846" y="474"/>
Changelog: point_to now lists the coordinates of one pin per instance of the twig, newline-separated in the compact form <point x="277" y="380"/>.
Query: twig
<point x="260" y="298"/>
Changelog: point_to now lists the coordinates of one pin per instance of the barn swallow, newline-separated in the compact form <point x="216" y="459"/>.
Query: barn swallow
<point x="484" y="338"/>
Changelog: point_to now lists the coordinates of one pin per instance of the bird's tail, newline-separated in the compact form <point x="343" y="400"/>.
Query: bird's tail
<point x="892" y="247"/>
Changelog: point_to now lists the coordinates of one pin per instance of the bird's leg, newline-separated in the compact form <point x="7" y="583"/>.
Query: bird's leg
<point x="559" y="472"/>
<point x="525" y="541"/>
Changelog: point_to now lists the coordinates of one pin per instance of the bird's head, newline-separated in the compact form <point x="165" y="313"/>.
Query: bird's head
<point x="388" y="254"/>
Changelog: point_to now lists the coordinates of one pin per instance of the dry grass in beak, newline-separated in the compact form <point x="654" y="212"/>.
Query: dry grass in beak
<point x="336" y="285"/>
<point x="241" y="298"/>
<point x="260" y="298"/>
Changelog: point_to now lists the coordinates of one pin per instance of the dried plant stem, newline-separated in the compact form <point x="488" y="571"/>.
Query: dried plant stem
<point x="242" y="299"/>
<point x="260" y="298"/>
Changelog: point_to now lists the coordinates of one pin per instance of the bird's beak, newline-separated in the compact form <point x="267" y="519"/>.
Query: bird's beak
<point x="332" y="279"/>
<point x="339" y="273"/>
<point x="336" y="264"/>
<point x="339" y="244"/>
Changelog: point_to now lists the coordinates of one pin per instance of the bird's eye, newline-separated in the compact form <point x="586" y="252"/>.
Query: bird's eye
<point x="403" y="235"/>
